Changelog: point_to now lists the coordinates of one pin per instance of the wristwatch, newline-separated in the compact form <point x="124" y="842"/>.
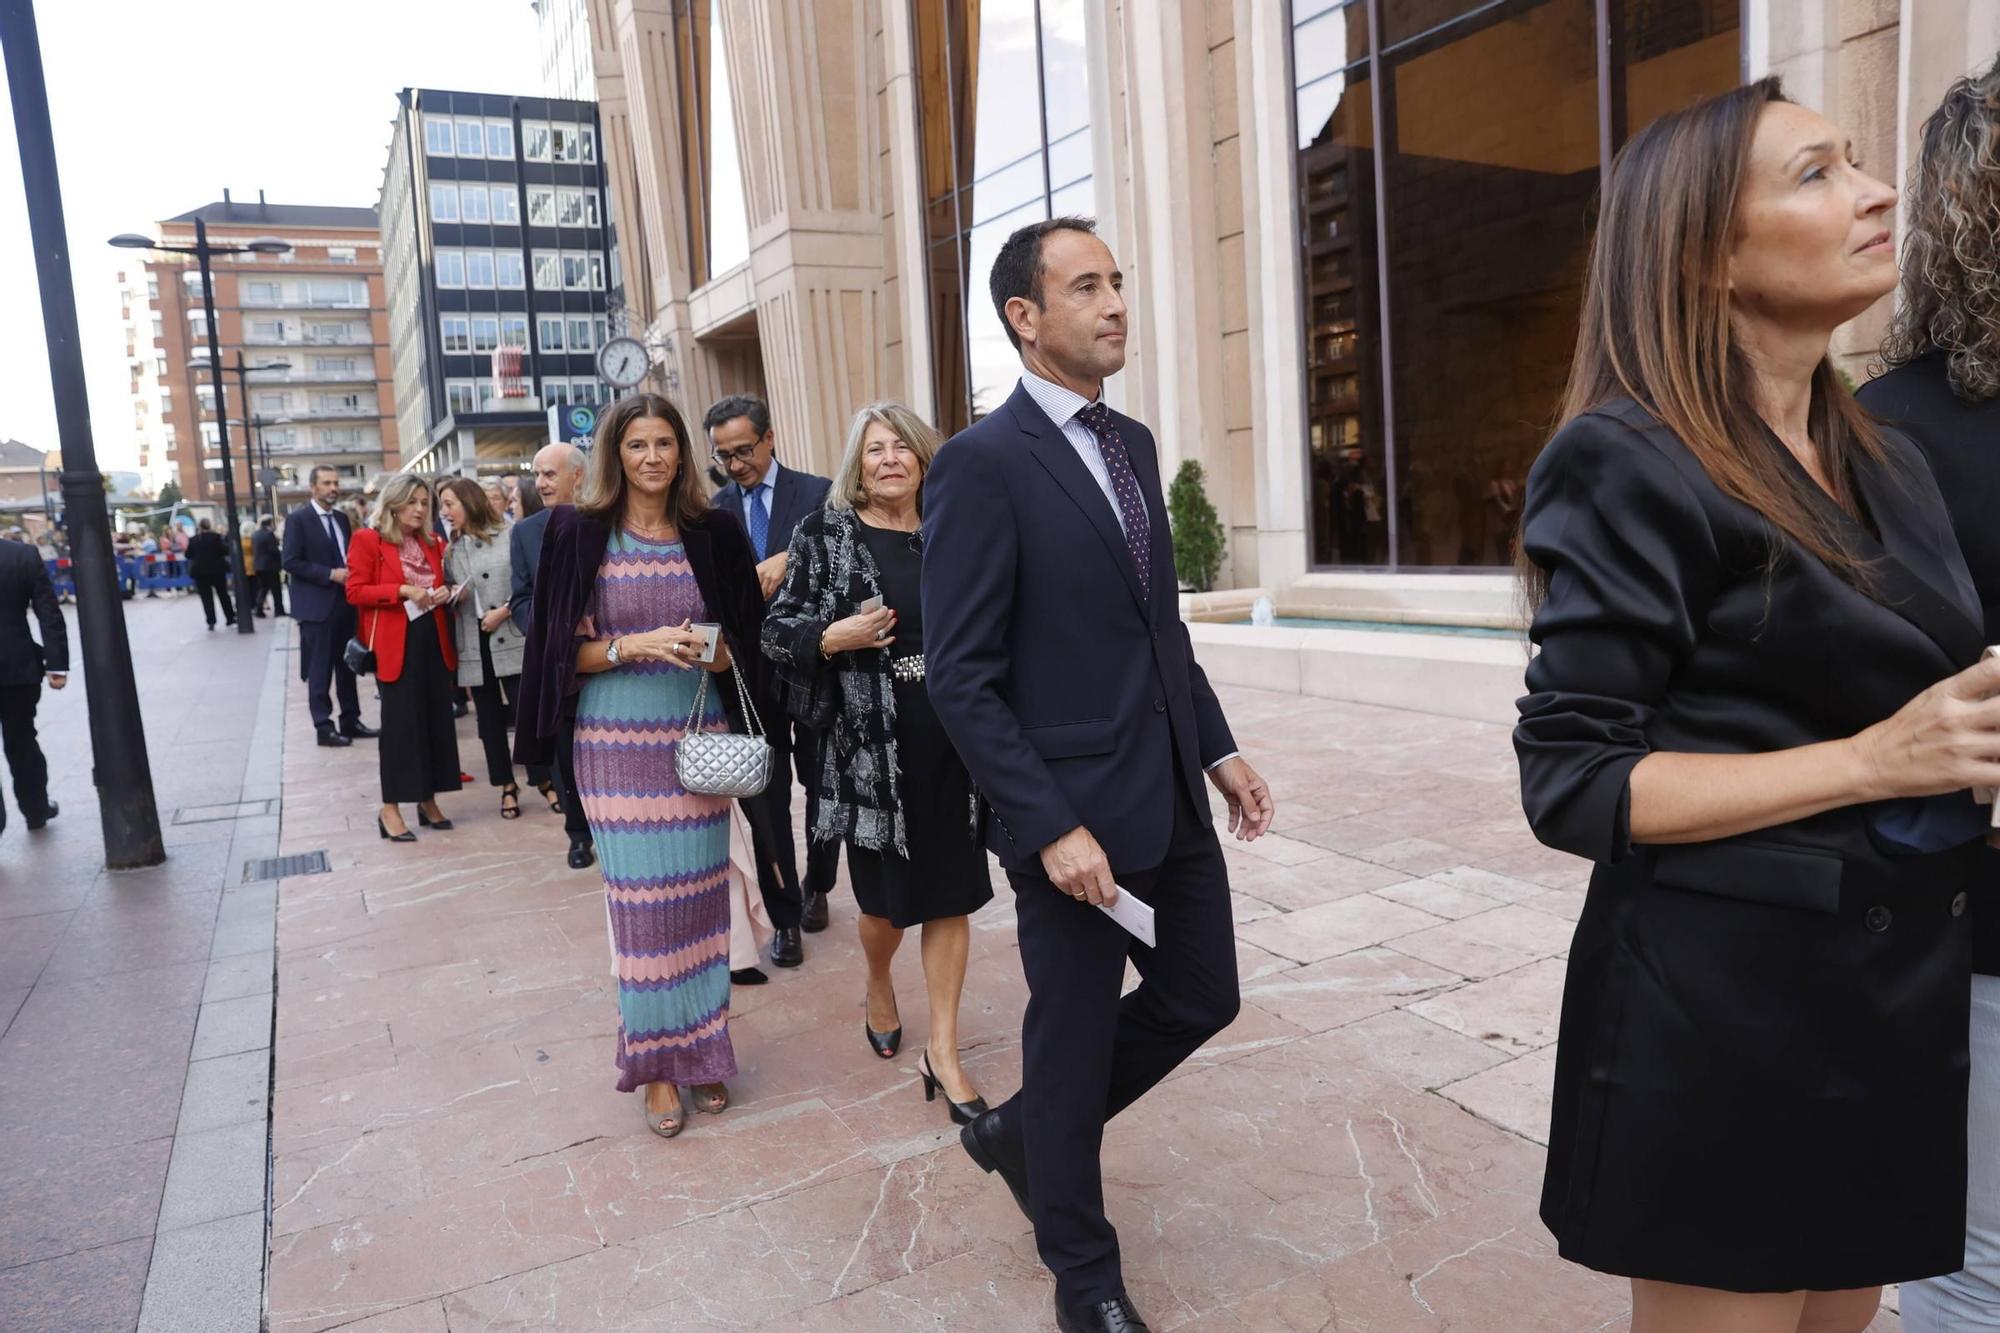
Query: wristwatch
<point x="611" y="653"/>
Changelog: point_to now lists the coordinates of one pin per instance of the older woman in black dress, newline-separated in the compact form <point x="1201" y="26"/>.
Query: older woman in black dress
<point x="846" y="630"/>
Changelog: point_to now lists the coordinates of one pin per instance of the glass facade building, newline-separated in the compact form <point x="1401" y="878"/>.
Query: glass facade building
<point x="1444" y="223"/>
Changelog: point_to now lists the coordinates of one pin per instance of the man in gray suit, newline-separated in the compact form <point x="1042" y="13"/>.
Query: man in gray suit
<point x="558" y="473"/>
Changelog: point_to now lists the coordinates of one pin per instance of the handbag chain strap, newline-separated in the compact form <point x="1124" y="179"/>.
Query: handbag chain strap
<point x="742" y="693"/>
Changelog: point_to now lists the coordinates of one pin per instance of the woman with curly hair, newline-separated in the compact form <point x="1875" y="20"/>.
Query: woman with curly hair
<point x="1943" y="391"/>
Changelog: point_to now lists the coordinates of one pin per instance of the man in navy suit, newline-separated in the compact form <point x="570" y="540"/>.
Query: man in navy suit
<point x="1058" y="663"/>
<point x="24" y="664"/>
<point x="772" y="501"/>
<point x="558" y="473"/>
<point x="316" y="537"/>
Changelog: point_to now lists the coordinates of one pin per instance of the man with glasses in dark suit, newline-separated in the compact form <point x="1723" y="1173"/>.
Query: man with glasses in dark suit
<point x="316" y="537"/>
<point x="772" y="501"/>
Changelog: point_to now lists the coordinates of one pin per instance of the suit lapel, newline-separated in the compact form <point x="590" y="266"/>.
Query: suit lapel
<point x="1915" y="578"/>
<point x="1058" y="456"/>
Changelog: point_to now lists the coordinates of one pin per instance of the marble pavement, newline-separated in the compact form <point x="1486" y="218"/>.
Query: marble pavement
<point x="1360" y="1151"/>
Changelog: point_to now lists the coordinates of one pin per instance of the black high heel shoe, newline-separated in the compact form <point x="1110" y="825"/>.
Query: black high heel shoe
<point x="886" y="1044"/>
<point x="424" y="820"/>
<point x="382" y="827"/>
<point x="962" y="1113"/>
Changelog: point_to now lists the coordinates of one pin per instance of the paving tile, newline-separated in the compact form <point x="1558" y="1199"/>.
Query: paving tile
<point x="215" y="1173"/>
<point x="10" y="1005"/>
<point x="226" y="1090"/>
<point x="136" y="928"/>
<point x="1515" y="1095"/>
<point x="1334" y="928"/>
<point x="1438" y="898"/>
<point x="207" y="1277"/>
<point x="25" y="947"/>
<point x="1504" y="888"/>
<point x="229" y="1026"/>
<point x="78" y="1196"/>
<point x="91" y="1289"/>
<point x="1490" y="943"/>
<point x="1340" y="990"/>
<point x="239" y="975"/>
<point x="1515" y="1012"/>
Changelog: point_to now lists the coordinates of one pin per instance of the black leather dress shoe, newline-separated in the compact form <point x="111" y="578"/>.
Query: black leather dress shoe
<point x="49" y="812"/>
<point x="582" y="855"/>
<point x="329" y="737"/>
<point x="1113" y="1316"/>
<point x="787" y="949"/>
<point x="814" y="920"/>
<point x="985" y="1141"/>
<point x="360" y="731"/>
<point x="748" y="976"/>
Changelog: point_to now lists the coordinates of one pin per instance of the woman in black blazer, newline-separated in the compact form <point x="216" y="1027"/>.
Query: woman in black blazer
<point x="1754" y="630"/>
<point x="1944" y="391"/>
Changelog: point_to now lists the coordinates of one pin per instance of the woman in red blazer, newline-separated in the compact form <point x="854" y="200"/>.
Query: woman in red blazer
<point x="395" y="565"/>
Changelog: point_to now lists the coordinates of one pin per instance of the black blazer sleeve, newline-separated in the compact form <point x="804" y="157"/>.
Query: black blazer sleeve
<point x="1631" y="563"/>
<point x="792" y="624"/>
<point x="742" y="609"/>
<point x="55" y="634"/>
<point x="971" y="552"/>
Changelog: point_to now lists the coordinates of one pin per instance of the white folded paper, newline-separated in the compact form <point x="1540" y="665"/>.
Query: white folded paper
<point x="1131" y="913"/>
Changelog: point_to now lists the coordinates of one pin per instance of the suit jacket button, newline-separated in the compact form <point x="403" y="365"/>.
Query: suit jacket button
<point x="1877" y="919"/>
<point x="1958" y="903"/>
<point x="1159" y="705"/>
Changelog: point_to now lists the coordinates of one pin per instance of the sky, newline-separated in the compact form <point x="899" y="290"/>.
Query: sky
<point x="159" y="106"/>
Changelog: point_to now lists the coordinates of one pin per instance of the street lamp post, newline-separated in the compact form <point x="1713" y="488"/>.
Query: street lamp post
<point x="256" y="449"/>
<point x="202" y="251"/>
<point x="121" y="771"/>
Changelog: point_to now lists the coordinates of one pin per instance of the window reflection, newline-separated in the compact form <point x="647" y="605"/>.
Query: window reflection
<point x="990" y="166"/>
<point x="718" y="223"/>
<point x="1486" y="217"/>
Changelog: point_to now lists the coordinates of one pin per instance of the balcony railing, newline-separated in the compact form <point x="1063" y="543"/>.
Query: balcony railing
<point x="248" y="302"/>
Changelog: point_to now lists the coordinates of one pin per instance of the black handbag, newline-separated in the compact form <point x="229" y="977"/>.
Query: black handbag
<point x="359" y="656"/>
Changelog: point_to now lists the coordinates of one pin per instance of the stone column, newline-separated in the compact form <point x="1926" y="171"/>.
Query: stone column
<point x="907" y="243"/>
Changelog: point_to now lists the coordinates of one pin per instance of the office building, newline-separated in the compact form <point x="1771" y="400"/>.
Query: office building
<point x="499" y="271"/>
<point x="311" y="324"/>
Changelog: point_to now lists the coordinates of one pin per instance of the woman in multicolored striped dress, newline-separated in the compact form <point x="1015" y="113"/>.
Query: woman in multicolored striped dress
<point x="626" y="577"/>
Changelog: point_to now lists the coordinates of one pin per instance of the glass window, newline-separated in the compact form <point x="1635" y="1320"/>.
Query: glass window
<point x="487" y="392"/>
<point x="333" y="365"/>
<point x="579" y="335"/>
<point x="506" y="204"/>
<point x="989" y="169"/>
<point x="485" y="332"/>
<point x="548" y="270"/>
<point x="471" y="138"/>
<point x="444" y="202"/>
<point x="586" y="138"/>
<point x="340" y="254"/>
<point x="507" y="269"/>
<point x="479" y="268"/>
<point x="450" y="268"/>
<point x="1483" y="237"/>
<point x="267" y="330"/>
<point x="596" y="271"/>
<point x="500" y="138"/>
<point x="513" y="330"/>
<point x="549" y="333"/>
<point x="457" y="331"/>
<point x="599" y="326"/>
<point x="590" y="213"/>
<point x="262" y="293"/>
<point x="569" y="207"/>
<point x="437" y="136"/>
<point x="575" y="272"/>
<point x="458" y="395"/>
<point x="472" y="203"/>
<point x="535" y="140"/>
<point x="541" y="206"/>
<point x="564" y="143"/>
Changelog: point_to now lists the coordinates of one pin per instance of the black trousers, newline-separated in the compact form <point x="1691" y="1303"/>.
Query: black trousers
<point x="1086" y="1054"/>
<point x="493" y="708"/>
<point x="324" y="670"/>
<point x="209" y="587"/>
<point x="419" y="741"/>
<point x="23" y="750"/>
<point x="794" y="748"/>
<point x="269" y="586"/>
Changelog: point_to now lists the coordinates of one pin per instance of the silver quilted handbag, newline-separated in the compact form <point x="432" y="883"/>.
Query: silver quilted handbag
<point x="723" y="763"/>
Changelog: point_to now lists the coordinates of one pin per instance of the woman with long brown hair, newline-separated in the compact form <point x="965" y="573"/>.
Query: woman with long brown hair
<point x="627" y="578"/>
<point x="1758" y="650"/>
<point x="489" y="645"/>
<point x="1943" y="388"/>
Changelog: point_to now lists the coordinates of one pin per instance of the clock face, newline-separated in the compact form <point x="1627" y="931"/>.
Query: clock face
<point x="622" y="362"/>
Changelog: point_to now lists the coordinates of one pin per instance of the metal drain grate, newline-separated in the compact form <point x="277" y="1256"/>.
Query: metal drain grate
<point x="285" y="867"/>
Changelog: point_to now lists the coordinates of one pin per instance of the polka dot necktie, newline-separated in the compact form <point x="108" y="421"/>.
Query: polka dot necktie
<point x="1124" y="485"/>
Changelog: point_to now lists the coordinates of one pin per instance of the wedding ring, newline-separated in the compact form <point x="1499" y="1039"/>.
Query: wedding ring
<point x="881" y="634"/>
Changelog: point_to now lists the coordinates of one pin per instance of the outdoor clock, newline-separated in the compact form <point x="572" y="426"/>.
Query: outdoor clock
<point x="622" y="362"/>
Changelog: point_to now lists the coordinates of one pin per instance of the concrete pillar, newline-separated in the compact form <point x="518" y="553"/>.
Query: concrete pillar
<point x="908" y="240"/>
